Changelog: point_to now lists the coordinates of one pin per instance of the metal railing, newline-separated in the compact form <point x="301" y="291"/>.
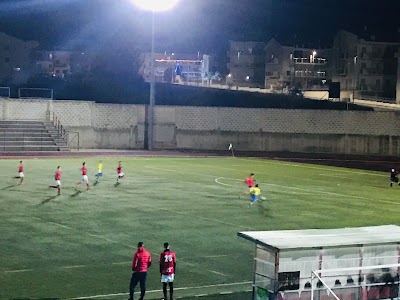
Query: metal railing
<point x="61" y="132"/>
<point x="26" y="93"/>
<point x="5" y="92"/>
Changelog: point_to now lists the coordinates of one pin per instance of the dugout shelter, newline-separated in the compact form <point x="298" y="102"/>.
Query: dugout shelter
<point x="326" y="264"/>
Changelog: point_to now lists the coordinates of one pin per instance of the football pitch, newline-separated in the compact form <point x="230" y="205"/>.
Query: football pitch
<point x="80" y="244"/>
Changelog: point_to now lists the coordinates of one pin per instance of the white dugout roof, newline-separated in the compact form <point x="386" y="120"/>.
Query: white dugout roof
<point x="324" y="238"/>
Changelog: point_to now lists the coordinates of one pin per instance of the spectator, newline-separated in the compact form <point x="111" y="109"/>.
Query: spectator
<point x="141" y="262"/>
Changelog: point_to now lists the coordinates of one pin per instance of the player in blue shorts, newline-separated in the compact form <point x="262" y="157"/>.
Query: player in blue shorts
<point x="99" y="171"/>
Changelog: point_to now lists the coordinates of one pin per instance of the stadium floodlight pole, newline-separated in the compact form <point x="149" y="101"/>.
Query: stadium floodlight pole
<point x="153" y="6"/>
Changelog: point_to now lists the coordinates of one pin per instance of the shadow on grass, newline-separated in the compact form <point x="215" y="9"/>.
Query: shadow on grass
<point x="263" y="207"/>
<point x="9" y="187"/>
<point x="117" y="184"/>
<point x="48" y="199"/>
<point x="77" y="192"/>
<point x="95" y="183"/>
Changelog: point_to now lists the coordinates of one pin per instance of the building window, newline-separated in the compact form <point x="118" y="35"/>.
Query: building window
<point x="269" y="73"/>
<point x="288" y="73"/>
<point x="6" y="59"/>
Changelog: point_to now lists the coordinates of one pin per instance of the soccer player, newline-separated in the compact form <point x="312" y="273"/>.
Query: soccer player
<point x="141" y="262"/>
<point x="167" y="271"/>
<point x="119" y="171"/>
<point x="254" y="194"/>
<point x="85" y="178"/>
<point x="99" y="171"/>
<point x="57" y="178"/>
<point x="394" y="177"/>
<point x="20" y="173"/>
<point x="249" y="181"/>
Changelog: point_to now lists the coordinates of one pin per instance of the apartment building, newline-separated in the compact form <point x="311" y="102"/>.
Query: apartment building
<point x="176" y="67"/>
<point x="288" y="67"/>
<point x="16" y="58"/>
<point x="246" y="64"/>
<point x="54" y="63"/>
<point x="366" y="66"/>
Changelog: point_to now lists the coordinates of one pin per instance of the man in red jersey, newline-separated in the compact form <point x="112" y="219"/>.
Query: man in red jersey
<point x="167" y="270"/>
<point x="20" y="173"/>
<point x="57" y="178"/>
<point x="249" y="181"/>
<point x="141" y="262"/>
<point x="119" y="172"/>
<point x="85" y="178"/>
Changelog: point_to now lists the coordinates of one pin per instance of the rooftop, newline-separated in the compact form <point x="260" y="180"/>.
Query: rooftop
<point x="324" y="238"/>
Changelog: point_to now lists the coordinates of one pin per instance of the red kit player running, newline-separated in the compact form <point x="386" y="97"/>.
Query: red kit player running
<point x="57" y="178"/>
<point x="250" y="182"/>
<point x="167" y="270"/>
<point x="85" y="178"/>
<point x="119" y="172"/>
<point x="20" y="173"/>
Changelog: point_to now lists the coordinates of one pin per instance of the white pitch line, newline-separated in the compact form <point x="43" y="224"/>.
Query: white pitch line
<point x="122" y="263"/>
<point x="74" y="267"/>
<point x="218" y="273"/>
<point x="304" y="165"/>
<point x="157" y="291"/>
<point x="19" y="271"/>
<point x="61" y="225"/>
<point x="217" y="180"/>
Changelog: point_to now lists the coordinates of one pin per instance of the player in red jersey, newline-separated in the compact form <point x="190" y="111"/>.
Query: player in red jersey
<point x="167" y="270"/>
<point x="57" y="178"/>
<point x="20" y="173"/>
<point x="85" y="178"/>
<point x="250" y="182"/>
<point x="119" y="172"/>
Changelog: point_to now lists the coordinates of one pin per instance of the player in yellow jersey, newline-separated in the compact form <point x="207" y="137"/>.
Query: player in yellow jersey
<point x="254" y="194"/>
<point x="99" y="171"/>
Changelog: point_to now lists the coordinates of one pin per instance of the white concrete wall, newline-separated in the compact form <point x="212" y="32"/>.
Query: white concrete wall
<point x="209" y="128"/>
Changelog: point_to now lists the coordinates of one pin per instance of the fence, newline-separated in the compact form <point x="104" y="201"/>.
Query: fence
<point x="24" y="93"/>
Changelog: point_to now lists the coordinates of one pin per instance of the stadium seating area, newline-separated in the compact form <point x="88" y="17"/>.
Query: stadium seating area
<point x="31" y="136"/>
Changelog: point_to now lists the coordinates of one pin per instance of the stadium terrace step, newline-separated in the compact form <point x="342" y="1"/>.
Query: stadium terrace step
<point x="32" y="148"/>
<point x="31" y="136"/>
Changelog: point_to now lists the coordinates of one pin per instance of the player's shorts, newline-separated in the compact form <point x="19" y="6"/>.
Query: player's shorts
<point x="58" y="182"/>
<point x="21" y="175"/>
<point x="394" y="179"/>
<point x="99" y="174"/>
<point x="121" y="174"/>
<point x="254" y="198"/>
<point x="85" y="179"/>
<point x="167" y="278"/>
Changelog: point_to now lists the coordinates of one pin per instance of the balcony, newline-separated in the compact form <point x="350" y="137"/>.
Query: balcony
<point x="309" y="61"/>
<point x="310" y="74"/>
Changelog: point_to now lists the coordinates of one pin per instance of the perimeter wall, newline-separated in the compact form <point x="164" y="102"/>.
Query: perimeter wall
<point x="116" y="126"/>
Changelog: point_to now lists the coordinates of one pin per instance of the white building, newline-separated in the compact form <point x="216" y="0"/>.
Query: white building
<point x="176" y="67"/>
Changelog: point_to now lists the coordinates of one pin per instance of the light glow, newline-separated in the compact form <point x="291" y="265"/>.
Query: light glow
<point x="155" y="5"/>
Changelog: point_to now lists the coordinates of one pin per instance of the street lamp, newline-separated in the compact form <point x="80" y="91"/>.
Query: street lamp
<point x="153" y="6"/>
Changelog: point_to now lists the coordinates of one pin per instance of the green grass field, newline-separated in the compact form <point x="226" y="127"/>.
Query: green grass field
<point x="80" y="244"/>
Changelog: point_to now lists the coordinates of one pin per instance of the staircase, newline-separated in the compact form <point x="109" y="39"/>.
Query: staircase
<point x="32" y="136"/>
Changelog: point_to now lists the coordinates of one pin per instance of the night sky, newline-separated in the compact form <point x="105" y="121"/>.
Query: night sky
<point x="195" y="25"/>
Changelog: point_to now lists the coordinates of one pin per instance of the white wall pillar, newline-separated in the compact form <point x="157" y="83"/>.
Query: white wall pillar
<point x="398" y="82"/>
